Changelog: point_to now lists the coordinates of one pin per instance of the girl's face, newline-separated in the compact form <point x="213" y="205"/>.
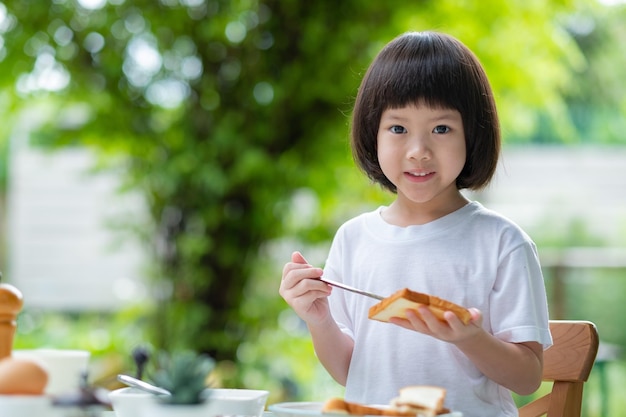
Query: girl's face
<point x="421" y="150"/>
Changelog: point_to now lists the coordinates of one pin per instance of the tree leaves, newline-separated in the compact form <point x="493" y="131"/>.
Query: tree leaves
<point x="220" y="111"/>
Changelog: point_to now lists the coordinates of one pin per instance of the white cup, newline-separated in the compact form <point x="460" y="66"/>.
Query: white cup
<point x="64" y="366"/>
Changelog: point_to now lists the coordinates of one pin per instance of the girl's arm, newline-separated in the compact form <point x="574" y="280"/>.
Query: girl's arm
<point x="516" y="366"/>
<point x="333" y="348"/>
<point x="308" y="296"/>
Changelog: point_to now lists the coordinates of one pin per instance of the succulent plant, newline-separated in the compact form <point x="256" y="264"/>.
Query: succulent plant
<point x="184" y="374"/>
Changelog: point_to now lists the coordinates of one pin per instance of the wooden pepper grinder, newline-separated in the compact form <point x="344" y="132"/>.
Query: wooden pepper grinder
<point x="11" y="302"/>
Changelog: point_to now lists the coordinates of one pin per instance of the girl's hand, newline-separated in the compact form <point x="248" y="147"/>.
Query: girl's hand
<point x="303" y="291"/>
<point x="451" y="330"/>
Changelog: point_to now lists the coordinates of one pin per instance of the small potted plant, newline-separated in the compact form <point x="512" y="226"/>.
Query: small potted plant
<point x="184" y="375"/>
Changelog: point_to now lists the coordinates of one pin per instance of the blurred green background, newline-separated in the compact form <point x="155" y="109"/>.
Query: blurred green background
<point x="230" y="120"/>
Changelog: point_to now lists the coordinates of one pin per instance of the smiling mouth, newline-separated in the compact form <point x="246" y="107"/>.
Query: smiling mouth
<point x="419" y="174"/>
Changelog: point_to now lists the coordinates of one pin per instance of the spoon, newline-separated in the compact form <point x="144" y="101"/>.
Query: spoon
<point x="144" y="386"/>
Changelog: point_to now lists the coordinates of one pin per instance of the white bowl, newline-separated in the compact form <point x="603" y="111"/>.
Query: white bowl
<point x="129" y="402"/>
<point x="239" y="402"/>
<point x="25" y="405"/>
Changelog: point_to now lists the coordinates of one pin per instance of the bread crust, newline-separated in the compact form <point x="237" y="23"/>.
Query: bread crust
<point x="341" y="406"/>
<point x="399" y="302"/>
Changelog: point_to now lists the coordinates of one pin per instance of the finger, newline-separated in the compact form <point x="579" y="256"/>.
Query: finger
<point x="303" y="294"/>
<point x="475" y="313"/>
<point x="414" y="321"/>
<point x="426" y="315"/>
<point x="301" y="271"/>
<point x="297" y="262"/>
<point x="297" y="275"/>
<point x="477" y="316"/>
<point x="402" y="323"/>
<point x="435" y="325"/>
<point x="297" y="258"/>
<point x="453" y="320"/>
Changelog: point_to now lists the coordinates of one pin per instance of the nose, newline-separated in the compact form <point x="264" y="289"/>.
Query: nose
<point x="418" y="148"/>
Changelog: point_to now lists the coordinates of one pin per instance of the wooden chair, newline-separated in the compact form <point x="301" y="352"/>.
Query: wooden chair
<point x="567" y="364"/>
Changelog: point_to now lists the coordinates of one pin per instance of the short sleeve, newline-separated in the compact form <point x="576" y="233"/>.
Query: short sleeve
<point x="519" y="308"/>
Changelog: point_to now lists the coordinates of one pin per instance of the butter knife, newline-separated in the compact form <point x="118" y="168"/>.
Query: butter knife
<point x="351" y="289"/>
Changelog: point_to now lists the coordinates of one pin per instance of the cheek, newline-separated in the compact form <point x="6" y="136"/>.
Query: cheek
<point x="385" y="155"/>
<point x="462" y="155"/>
<point x="461" y="158"/>
<point x="385" y="146"/>
<point x="379" y="150"/>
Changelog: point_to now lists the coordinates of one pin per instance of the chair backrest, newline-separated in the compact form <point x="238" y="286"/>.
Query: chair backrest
<point x="567" y="363"/>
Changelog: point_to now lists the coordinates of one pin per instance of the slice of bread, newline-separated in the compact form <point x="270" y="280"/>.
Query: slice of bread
<point x="396" y="305"/>
<point x="341" y="406"/>
<point x="424" y="400"/>
<point x="413" y="401"/>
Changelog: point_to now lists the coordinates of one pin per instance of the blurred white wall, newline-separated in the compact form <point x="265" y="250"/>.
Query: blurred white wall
<point x="62" y="254"/>
<point x="547" y="188"/>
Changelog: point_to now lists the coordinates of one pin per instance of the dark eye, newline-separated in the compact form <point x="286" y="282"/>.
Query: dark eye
<point x="441" y="129"/>
<point x="397" y="129"/>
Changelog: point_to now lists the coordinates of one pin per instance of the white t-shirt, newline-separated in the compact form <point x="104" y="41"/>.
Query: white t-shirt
<point x="472" y="257"/>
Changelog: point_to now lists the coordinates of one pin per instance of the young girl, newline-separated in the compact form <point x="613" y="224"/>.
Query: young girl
<point x="424" y="127"/>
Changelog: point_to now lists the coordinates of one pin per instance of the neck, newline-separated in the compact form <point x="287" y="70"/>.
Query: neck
<point x="405" y="213"/>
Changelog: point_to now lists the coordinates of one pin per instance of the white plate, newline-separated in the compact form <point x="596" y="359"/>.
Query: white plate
<point x="314" y="409"/>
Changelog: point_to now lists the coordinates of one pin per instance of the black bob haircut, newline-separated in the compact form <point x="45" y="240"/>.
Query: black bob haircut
<point x="438" y="70"/>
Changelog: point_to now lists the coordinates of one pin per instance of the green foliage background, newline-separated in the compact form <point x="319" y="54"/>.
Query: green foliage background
<point x="262" y="134"/>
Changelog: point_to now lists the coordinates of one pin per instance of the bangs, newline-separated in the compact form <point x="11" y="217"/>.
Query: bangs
<point x="415" y="71"/>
